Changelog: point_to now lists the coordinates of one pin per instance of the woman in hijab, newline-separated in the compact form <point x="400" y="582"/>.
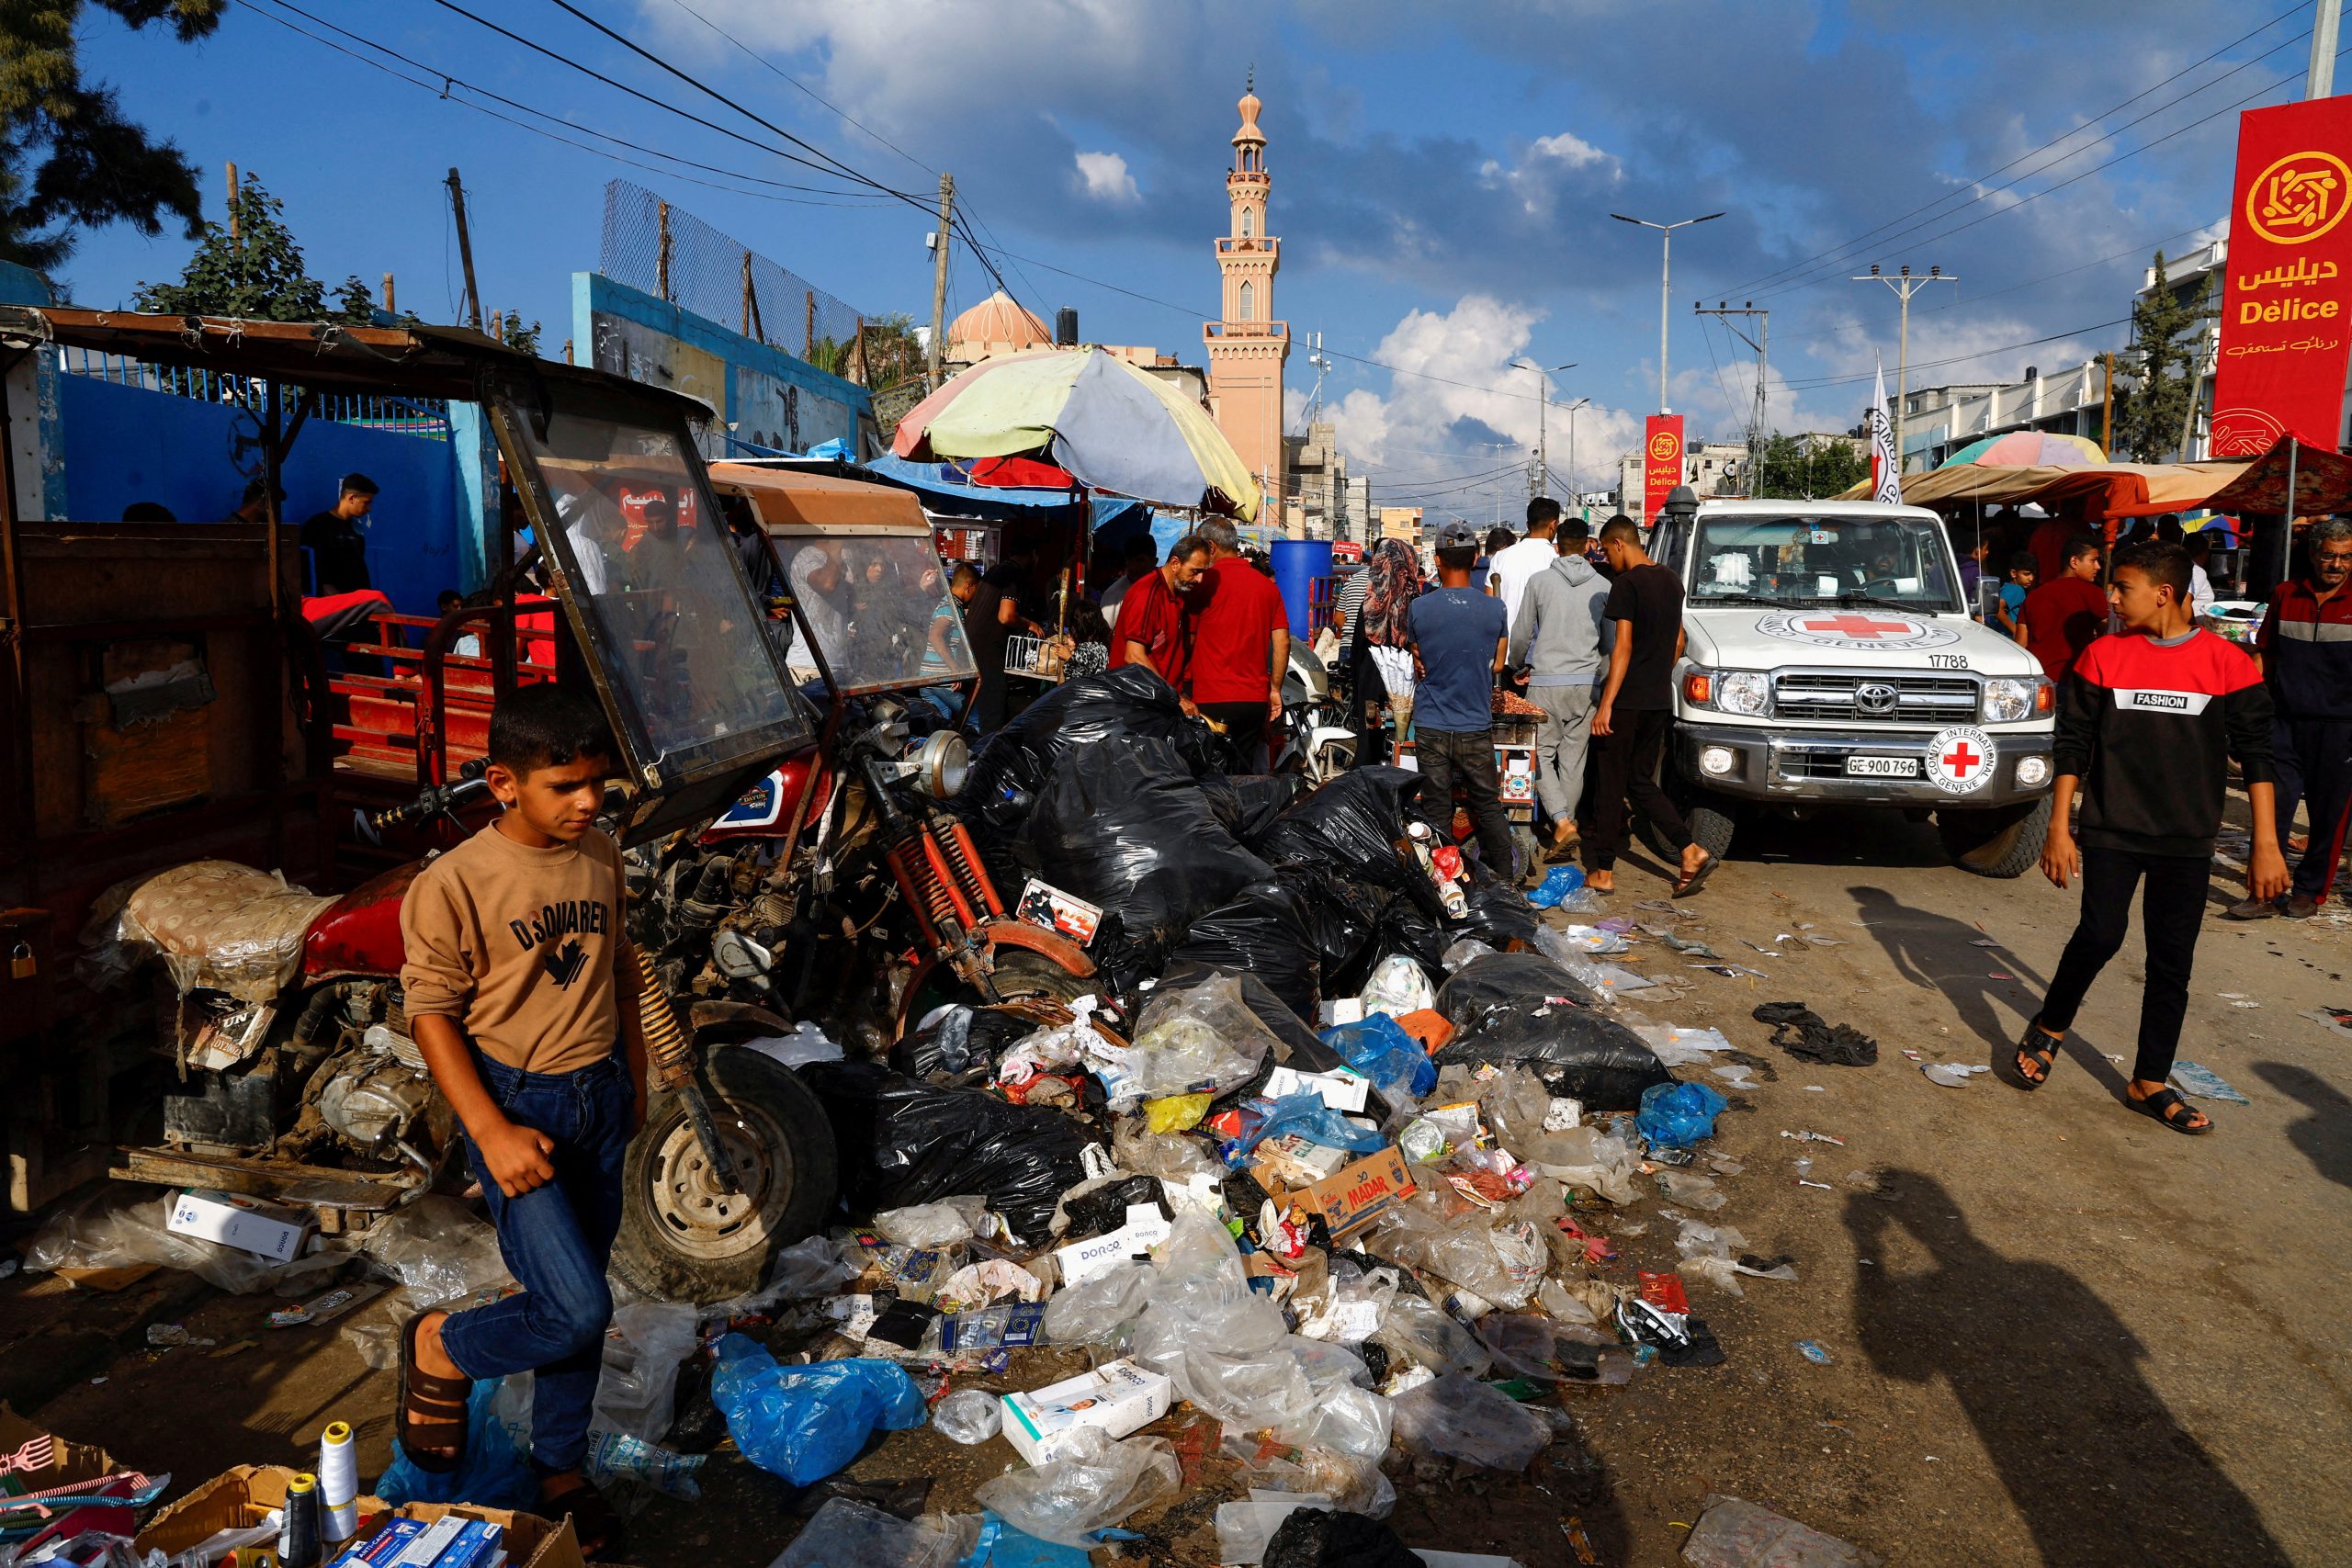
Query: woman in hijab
<point x="1381" y="652"/>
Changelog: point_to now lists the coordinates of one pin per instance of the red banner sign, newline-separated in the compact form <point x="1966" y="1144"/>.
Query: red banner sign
<point x="2287" y="299"/>
<point x="1661" y="462"/>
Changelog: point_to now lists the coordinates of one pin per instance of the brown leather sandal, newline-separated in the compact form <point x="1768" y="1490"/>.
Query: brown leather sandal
<point x="432" y="1409"/>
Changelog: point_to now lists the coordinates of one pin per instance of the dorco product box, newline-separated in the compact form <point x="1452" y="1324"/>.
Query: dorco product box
<point x="248" y="1225"/>
<point x="1114" y="1399"/>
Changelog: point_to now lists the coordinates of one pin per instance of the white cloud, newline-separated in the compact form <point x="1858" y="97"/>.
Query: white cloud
<point x="1104" y="177"/>
<point x="1537" y="180"/>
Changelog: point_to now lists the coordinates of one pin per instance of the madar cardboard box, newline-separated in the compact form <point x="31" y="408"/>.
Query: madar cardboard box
<point x="1352" y="1197"/>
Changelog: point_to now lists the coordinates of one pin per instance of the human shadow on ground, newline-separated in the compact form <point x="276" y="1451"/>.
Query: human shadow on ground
<point x="2325" y="1135"/>
<point x="1937" y="952"/>
<point x="2094" y="1460"/>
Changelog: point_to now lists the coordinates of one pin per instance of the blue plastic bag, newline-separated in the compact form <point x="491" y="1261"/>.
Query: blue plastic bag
<point x="1557" y="885"/>
<point x="805" y="1422"/>
<point x="1674" y="1115"/>
<point x="493" y="1474"/>
<point x="1379" y="1048"/>
<point x="1305" y="1114"/>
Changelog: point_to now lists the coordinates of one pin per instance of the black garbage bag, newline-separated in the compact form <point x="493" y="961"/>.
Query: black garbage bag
<point x="963" y="1039"/>
<point x="1104" y="1210"/>
<point x="1121" y="824"/>
<point x="1406" y="928"/>
<point x="1267" y="929"/>
<point x="1129" y="701"/>
<point x="904" y="1141"/>
<point x="1522" y="1007"/>
<point x="1249" y="803"/>
<point x="1303" y="1049"/>
<point x="1500" y="915"/>
<point x="1322" y="1537"/>
<point x="1344" y="919"/>
<point x="1352" y="824"/>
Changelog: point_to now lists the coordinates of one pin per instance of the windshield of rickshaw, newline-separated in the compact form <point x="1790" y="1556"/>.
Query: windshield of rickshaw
<point x="658" y="575"/>
<point x="880" y="608"/>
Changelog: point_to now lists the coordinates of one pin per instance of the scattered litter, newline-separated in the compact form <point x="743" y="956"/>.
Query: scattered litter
<point x="1984" y="941"/>
<point x="1814" y="1352"/>
<point x="1952" y="1074"/>
<point x="2337" y="1019"/>
<point x="1737" y="1534"/>
<point x="1813" y="1137"/>
<point x="2204" y="1083"/>
<point x="1823" y="1185"/>
<point x="1803" y="1033"/>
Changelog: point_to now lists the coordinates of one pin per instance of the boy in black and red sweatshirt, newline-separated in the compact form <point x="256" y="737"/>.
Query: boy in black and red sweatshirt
<point x="2150" y="720"/>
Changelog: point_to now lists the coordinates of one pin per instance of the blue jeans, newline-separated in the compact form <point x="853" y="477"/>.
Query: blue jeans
<point x="557" y="1240"/>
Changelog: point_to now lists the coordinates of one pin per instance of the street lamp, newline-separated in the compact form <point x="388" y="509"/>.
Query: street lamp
<point x="1543" y="398"/>
<point x="1666" y="268"/>
<point x="1572" y="451"/>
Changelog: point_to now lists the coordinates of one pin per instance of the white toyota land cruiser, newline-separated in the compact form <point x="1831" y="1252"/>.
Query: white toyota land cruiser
<point x="1831" y="661"/>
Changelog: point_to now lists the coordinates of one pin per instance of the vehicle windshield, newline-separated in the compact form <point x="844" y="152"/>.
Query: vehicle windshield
<point x="880" y="608"/>
<point x="1816" y="561"/>
<point x="654" y="567"/>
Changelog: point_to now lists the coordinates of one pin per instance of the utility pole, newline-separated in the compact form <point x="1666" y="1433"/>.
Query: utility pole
<point x="2107" y="410"/>
<point x="939" y="279"/>
<point x="1756" y="425"/>
<point x="234" y="193"/>
<point x="465" y="250"/>
<point x="2321" y="81"/>
<point x="1905" y="286"/>
<point x="1665" y="277"/>
<point x="1540" y="476"/>
<point x="1573" y="490"/>
<point x="389" y="309"/>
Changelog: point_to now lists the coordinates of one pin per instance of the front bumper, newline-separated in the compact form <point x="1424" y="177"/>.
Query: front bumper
<point x="1810" y="765"/>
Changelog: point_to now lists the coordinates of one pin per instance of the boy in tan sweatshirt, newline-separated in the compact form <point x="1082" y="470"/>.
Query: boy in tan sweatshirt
<point x="521" y="991"/>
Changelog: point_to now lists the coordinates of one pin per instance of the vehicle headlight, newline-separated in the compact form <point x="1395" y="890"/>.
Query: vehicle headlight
<point x="2009" y="700"/>
<point x="1743" y="692"/>
<point x="940" y="764"/>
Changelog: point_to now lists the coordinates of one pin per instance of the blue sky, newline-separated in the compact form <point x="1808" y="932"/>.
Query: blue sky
<point x="1443" y="176"/>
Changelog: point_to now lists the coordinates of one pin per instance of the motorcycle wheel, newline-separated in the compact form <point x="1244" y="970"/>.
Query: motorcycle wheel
<point x="1021" y="972"/>
<point x="683" y="1240"/>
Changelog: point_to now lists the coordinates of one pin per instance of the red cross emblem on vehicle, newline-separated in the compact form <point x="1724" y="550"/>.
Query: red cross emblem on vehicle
<point x="1860" y="626"/>
<point x="1962" y="760"/>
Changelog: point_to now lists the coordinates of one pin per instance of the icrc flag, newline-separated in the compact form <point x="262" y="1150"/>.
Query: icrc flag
<point x="1886" y="468"/>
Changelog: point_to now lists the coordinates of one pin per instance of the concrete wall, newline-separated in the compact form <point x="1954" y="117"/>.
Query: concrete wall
<point x="121" y="444"/>
<point x="771" y="398"/>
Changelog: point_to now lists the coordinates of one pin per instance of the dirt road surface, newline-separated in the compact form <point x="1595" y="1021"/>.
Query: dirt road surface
<point x="2057" y="1332"/>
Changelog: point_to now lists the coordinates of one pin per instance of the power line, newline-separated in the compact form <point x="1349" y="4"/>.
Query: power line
<point x="2094" y="121"/>
<point x="1816" y="383"/>
<point x="801" y="86"/>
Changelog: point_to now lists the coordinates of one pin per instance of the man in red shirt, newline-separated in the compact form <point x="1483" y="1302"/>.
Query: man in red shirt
<point x="1241" y="645"/>
<point x="2062" y="615"/>
<point x="1151" y="625"/>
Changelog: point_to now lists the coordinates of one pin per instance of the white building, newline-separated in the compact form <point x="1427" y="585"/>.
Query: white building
<point x="1940" y="421"/>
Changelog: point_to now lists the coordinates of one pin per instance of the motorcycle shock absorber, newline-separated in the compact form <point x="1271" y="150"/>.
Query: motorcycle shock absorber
<point x="925" y="893"/>
<point x="962" y="859"/>
<point x="673" y="1059"/>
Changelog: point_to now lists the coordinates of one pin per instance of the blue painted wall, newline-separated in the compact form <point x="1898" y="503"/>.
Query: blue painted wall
<point x="123" y="444"/>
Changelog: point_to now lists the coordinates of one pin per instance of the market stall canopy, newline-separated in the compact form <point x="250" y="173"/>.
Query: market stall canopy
<point x="2323" y="482"/>
<point x="2029" y="449"/>
<point x="1109" y="426"/>
<point x="786" y="497"/>
<point x="2116" y="489"/>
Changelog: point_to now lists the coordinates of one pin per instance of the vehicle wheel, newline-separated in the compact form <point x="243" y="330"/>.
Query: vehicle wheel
<point x="1710" y="821"/>
<point x="1021" y="972"/>
<point x="683" y="1240"/>
<point x="2004" y="842"/>
<point x="1528" y="850"/>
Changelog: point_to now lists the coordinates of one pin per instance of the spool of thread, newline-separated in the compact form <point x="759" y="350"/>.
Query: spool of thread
<point x="297" y="1535"/>
<point x="339" y="1483"/>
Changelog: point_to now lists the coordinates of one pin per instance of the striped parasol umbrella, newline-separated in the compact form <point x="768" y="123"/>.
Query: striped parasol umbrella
<point x="2029" y="449"/>
<point x="1111" y="427"/>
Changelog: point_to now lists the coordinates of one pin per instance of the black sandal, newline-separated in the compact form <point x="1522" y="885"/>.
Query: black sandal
<point x="1686" y="885"/>
<point x="431" y="1407"/>
<point x="2036" y="1046"/>
<point x="2161" y="1106"/>
<point x="571" y="1495"/>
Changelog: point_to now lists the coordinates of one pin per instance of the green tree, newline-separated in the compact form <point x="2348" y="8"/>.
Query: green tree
<point x="252" y="269"/>
<point x="516" y="335"/>
<point x="2152" y="394"/>
<point x="68" y="158"/>
<point x="1795" y="467"/>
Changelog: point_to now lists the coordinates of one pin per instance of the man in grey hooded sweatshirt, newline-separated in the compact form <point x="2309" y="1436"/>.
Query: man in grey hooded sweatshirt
<point x="1560" y="637"/>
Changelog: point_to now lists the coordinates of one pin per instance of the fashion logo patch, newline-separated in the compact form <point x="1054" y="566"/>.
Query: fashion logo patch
<point x="564" y="963"/>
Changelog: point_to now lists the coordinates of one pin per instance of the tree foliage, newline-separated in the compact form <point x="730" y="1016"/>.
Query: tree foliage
<point x="516" y="335"/>
<point x="2152" y="395"/>
<point x="252" y="268"/>
<point x="68" y="158"/>
<point x="1807" y="467"/>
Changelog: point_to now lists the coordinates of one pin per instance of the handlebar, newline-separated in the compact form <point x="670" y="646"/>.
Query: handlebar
<point x="434" y="801"/>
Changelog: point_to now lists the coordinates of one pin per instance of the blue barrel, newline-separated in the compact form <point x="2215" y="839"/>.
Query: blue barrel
<point x="1303" y="573"/>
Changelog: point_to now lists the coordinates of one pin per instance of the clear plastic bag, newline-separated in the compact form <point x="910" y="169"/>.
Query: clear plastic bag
<point x="122" y="1226"/>
<point x="1098" y="1483"/>
<point x="1397" y="985"/>
<point x="1689" y="1187"/>
<point x="802" y="1271"/>
<point x="1590" y="1157"/>
<point x="1353" y="1483"/>
<point x="439" y="1250"/>
<point x="1465" y="951"/>
<point x="1099" y="1311"/>
<point x="1499" y="1263"/>
<point x="943" y="1223"/>
<point x="1173" y="1157"/>
<point x="849" y="1534"/>
<point x="1200" y="1037"/>
<point x="1464" y="1419"/>
<point x="1734" y="1534"/>
<point x="1352" y="1305"/>
<point x="217" y="926"/>
<point x="968" y="1417"/>
<point x="1420" y="1329"/>
<point x="1244" y="1527"/>
<point x="637" y="1391"/>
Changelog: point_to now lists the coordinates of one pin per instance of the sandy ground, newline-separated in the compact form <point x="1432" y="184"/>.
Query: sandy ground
<point x="2058" y="1332"/>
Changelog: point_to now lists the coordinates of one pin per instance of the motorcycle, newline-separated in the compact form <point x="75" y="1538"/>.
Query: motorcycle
<point x="1318" y="743"/>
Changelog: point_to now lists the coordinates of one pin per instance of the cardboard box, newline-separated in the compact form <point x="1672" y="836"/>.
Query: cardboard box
<point x="1044" y="905"/>
<point x="1145" y="1228"/>
<point x="1352" y="1197"/>
<point x="265" y="1229"/>
<point x="1342" y="1089"/>
<point x="1114" y="1399"/>
<point x="240" y="1496"/>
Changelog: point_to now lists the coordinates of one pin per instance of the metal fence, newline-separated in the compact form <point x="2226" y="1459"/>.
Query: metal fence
<point x="669" y="253"/>
<point x="428" y="417"/>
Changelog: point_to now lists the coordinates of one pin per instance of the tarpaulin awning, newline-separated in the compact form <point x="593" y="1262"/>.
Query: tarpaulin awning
<point x="946" y="489"/>
<point x="2323" y="483"/>
<point x="2114" y="490"/>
